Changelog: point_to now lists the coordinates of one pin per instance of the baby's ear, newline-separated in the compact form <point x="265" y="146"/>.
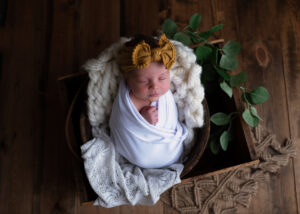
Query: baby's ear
<point x="125" y="75"/>
<point x="128" y="74"/>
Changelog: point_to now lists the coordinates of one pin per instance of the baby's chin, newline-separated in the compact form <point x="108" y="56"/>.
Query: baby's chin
<point x="153" y="98"/>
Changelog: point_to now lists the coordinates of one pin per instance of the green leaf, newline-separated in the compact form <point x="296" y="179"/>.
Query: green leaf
<point x="215" y="55"/>
<point x="245" y="97"/>
<point x="230" y="134"/>
<point x="220" y="119"/>
<point x="183" y="38"/>
<point x="238" y="79"/>
<point x="203" y="52"/>
<point x="232" y="48"/>
<point x="249" y="118"/>
<point x="195" y="21"/>
<point x="212" y="30"/>
<point x="213" y="145"/>
<point x="228" y="62"/>
<point x="226" y="88"/>
<point x="216" y="28"/>
<point x="204" y="35"/>
<point x="258" y="95"/>
<point x="224" y="140"/>
<point x="169" y="27"/>
<point x="193" y="37"/>
<point x="223" y="73"/>
<point x="254" y="112"/>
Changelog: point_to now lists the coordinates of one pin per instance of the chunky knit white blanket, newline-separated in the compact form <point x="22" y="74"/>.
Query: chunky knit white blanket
<point x="115" y="180"/>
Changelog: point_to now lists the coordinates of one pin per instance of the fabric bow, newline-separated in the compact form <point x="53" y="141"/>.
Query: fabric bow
<point x="142" y="55"/>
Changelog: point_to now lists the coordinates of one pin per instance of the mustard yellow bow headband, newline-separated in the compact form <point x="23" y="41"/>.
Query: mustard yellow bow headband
<point x="142" y="55"/>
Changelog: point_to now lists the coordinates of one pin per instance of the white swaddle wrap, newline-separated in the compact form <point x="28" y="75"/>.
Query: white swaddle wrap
<point x="144" y="144"/>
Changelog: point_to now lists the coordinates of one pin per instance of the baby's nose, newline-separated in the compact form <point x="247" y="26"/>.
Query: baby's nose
<point x="154" y="85"/>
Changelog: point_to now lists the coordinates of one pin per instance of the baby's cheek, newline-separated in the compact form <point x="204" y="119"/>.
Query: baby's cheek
<point x="142" y="90"/>
<point x="166" y="87"/>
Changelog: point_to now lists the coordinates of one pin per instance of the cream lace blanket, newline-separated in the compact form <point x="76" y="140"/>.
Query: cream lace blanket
<point x="114" y="179"/>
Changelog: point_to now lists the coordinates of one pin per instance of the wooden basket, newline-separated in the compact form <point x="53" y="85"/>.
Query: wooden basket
<point x="78" y="105"/>
<point x="201" y="163"/>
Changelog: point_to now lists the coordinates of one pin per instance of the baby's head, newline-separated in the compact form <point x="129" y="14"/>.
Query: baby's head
<point x="145" y="63"/>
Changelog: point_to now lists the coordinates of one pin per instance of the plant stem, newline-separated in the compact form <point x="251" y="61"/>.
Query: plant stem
<point x="210" y="42"/>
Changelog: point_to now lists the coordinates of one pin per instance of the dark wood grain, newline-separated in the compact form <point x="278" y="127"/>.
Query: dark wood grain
<point x="261" y="59"/>
<point x="275" y="111"/>
<point x="180" y="12"/>
<point x="44" y="40"/>
<point x="3" y="8"/>
<point x="57" y="169"/>
<point x="141" y="17"/>
<point x="22" y="108"/>
<point x="97" y="26"/>
<point x="290" y="45"/>
<point x="79" y="33"/>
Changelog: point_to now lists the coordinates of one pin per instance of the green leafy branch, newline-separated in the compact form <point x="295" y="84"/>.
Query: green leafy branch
<point x="216" y="62"/>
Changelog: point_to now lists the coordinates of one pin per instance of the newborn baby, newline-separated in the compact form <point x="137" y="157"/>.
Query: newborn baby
<point x="144" y="119"/>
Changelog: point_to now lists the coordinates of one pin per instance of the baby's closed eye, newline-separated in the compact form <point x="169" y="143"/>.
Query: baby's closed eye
<point x="142" y="81"/>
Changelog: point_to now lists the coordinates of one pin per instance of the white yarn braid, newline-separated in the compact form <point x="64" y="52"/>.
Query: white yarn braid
<point x="186" y="87"/>
<point x="103" y="85"/>
<point x="185" y="84"/>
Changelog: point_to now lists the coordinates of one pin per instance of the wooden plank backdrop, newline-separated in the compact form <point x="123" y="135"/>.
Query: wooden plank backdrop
<point x="43" y="40"/>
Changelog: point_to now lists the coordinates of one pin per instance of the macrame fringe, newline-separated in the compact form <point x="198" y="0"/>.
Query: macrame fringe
<point x="226" y="192"/>
<point x="242" y="198"/>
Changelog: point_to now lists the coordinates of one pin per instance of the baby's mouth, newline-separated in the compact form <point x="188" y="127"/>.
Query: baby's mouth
<point x="154" y="94"/>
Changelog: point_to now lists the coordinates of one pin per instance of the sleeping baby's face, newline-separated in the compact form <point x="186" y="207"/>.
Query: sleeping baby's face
<point x="149" y="83"/>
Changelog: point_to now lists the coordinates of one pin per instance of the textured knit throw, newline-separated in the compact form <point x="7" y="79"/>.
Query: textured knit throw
<point x="114" y="179"/>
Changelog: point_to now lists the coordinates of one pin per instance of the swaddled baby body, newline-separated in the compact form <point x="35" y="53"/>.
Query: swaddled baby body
<point x="144" y="120"/>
